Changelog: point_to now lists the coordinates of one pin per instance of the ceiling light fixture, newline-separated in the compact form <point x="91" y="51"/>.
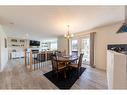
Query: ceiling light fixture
<point x="68" y="35"/>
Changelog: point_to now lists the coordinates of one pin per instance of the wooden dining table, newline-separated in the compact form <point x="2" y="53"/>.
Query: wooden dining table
<point x="66" y="59"/>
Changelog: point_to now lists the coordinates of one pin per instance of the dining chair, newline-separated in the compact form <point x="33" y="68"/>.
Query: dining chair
<point x="58" y="53"/>
<point x="77" y="65"/>
<point x="58" y="66"/>
<point x="41" y="57"/>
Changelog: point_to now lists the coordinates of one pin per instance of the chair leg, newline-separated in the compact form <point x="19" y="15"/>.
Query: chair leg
<point x="57" y="75"/>
<point x="78" y="73"/>
<point x="52" y="73"/>
<point x="65" y="74"/>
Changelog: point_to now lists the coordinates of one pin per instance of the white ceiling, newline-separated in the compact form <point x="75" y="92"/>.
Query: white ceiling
<point x="39" y="22"/>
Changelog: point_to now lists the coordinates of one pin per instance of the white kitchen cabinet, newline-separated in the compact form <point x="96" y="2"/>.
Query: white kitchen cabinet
<point x="18" y="54"/>
<point x="116" y="70"/>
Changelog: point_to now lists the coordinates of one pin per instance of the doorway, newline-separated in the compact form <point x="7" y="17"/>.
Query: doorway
<point x="81" y="45"/>
<point x="85" y="49"/>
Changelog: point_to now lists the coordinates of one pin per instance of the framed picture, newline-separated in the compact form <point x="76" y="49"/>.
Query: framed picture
<point x="5" y="40"/>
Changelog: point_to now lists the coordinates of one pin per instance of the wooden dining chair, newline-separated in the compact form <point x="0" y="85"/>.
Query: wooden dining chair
<point x="77" y="65"/>
<point x="58" y="66"/>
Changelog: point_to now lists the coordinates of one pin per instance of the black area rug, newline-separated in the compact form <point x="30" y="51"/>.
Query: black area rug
<point x="61" y="82"/>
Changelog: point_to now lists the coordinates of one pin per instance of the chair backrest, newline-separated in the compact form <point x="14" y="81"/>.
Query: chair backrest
<point x="59" y="54"/>
<point x="80" y="60"/>
<point x="54" y="63"/>
<point x="41" y="57"/>
<point x="49" y="55"/>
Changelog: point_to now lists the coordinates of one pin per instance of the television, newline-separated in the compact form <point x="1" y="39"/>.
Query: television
<point x="34" y="43"/>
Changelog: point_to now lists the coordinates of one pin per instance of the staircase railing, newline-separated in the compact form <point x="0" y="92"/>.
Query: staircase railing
<point x="34" y="60"/>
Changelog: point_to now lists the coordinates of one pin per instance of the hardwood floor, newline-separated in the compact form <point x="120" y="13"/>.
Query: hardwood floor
<point x="16" y="76"/>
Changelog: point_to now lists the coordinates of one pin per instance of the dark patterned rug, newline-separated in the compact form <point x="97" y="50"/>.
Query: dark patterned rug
<point x="61" y="82"/>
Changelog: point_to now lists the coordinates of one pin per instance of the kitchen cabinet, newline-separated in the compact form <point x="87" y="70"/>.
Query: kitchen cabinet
<point x="116" y="70"/>
<point x="18" y="54"/>
<point x="16" y="43"/>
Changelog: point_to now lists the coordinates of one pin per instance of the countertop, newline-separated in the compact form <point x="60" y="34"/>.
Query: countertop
<point x="121" y="52"/>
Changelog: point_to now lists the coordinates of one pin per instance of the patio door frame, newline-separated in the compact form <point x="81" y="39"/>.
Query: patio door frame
<point x="79" y="45"/>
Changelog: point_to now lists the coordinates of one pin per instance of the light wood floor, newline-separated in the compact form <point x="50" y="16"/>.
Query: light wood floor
<point x="16" y="76"/>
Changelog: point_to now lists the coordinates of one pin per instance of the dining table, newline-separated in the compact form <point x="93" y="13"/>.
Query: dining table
<point x="66" y="59"/>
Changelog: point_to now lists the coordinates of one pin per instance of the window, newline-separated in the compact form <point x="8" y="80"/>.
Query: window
<point x="74" y="46"/>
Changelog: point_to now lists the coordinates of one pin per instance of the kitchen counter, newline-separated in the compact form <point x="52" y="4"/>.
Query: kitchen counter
<point x="123" y="52"/>
<point x="120" y="52"/>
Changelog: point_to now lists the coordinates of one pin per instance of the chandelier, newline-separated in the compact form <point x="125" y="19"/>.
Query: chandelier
<point x="68" y="35"/>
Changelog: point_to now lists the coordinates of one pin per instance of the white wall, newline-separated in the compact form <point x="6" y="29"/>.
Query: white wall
<point x="3" y="50"/>
<point x="104" y="35"/>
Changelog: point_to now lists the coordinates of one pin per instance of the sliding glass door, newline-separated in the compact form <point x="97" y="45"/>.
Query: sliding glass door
<point x="85" y="48"/>
<point x="74" y="47"/>
<point x="81" y="45"/>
